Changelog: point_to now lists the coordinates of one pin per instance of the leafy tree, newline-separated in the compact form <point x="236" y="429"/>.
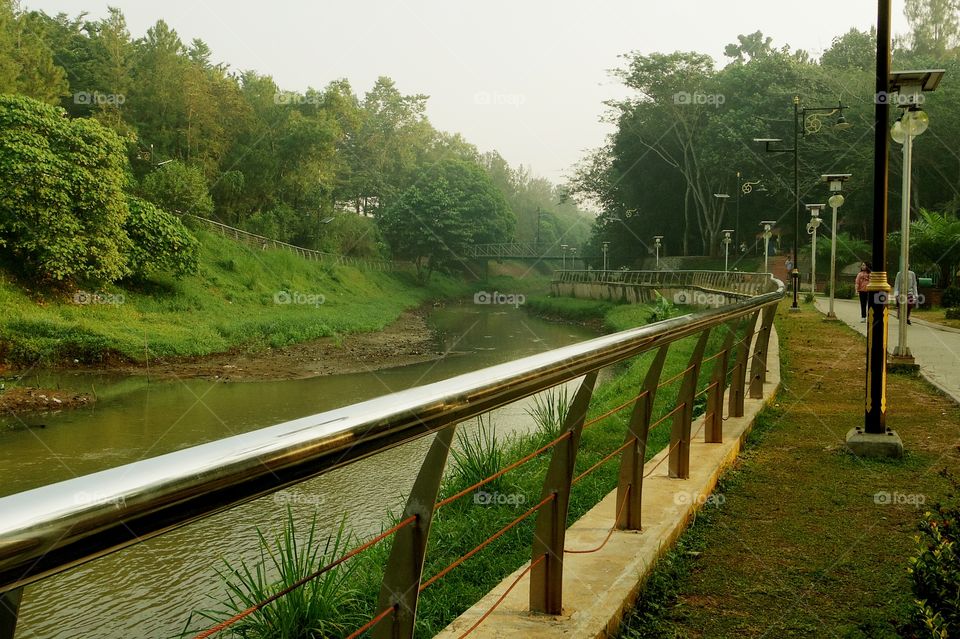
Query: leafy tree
<point x="62" y="206"/>
<point x="26" y="60"/>
<point x="160" y="242"/>
<point x="451" y="203"/>
<point x="934" y="25"/>
<point x="178" y="188"/>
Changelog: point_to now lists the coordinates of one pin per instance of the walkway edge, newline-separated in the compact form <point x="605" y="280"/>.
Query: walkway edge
<point x="600" y="587"/>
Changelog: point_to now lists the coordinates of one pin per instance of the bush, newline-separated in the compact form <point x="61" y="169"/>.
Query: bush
<point x="809" y="298"/>
<point x="953" y="313"/>
<point x="177" y="187"/>
<point x="951" y="297"/>
<point x="846" y="292"/>
<point x="62" y="206"/>
<point x="936" y="568"/>
<point x="160" y="241"/>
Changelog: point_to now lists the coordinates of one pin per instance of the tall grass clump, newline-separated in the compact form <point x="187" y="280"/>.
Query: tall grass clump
<point x="328" y="606"/>
<point x="477" y="455"/>
<point x="549" y="412"/>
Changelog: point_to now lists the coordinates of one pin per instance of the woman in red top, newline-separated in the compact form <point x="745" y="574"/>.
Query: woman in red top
<point x="863" y="278"/>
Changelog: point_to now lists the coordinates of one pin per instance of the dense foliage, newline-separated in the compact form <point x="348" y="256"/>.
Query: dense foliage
<point x="936" y="569"/>
<point x="204" y="139"/>
<point x="62" y="205"/>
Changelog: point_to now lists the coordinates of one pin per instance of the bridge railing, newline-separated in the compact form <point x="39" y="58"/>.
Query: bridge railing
<point x="48" y="530"/>
<point x="731" y="282"/>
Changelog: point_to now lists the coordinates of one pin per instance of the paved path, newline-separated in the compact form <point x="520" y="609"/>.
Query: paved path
<point x="935" y="349"/>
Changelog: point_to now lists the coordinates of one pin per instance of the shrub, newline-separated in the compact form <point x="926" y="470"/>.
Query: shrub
<point x="661" y="309"/>
<point x="953" y="313"/>
<point x="951" y="297"/>
<point x="160" y="241"/>
<point x="177" y="187"/>
<point x="936" y="568"/>
<point x="62" y="207"/>
<point x="845" y="292"/>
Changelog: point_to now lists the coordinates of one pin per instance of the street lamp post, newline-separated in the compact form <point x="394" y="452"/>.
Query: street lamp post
<point x="573" y="256"/>
<point x="657" y="241"/>
<point x="767" y="226"/>
<point x="606" y="247"/>
<point x="744" y="187"/>
<point x="914" y="121"/>
<point x="563" y="256"/>
<point x="812" y="227"/>
<point x="835" y="180"/>
<point x="726" y="248"/>
<point x="813" y="125"/>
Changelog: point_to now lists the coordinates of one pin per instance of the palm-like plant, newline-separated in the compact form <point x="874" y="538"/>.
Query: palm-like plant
<point x="936" y="237"/>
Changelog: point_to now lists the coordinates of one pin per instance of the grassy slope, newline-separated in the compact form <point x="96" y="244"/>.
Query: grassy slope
<point x="799" y="547"/>
<point x="229" y="305"/>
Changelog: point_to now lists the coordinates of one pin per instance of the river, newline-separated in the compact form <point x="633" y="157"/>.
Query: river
<point x="150" y="589"/>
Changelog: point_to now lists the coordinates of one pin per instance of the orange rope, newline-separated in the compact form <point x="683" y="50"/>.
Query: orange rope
<point x="484" y="616"/>
<point x="667" y="416"/>
<point x="500" y="473"/>
<point x="603" y="461"/>
<point x="610" y="533"/>
<point x="255" y="607"/>
<point x="613" y="410"/>
<point x="486" y="543"/>
<point x="709" y="386"/>
<point x="370" y="624"/>
<point x="676" y="377"/>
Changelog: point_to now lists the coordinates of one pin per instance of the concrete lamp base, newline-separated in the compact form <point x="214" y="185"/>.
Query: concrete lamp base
<point x="831" y="317"/>
<point x="888" y="445"/>
<point x="897" y="363"/>
<point x="794" y="309"/>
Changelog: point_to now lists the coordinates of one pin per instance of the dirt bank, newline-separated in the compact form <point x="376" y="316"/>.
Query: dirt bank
<point x="408" y="340"/>
<point x="28" y="399"/>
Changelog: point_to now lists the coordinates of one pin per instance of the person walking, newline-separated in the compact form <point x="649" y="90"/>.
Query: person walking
<point x="863" y="278"/>
<point x="912" y="292"/>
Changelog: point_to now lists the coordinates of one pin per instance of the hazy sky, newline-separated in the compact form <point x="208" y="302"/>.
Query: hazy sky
<point x="527" y="78"/>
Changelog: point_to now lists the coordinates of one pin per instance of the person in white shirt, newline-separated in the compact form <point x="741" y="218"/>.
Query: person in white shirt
<point x="912" y="292"/>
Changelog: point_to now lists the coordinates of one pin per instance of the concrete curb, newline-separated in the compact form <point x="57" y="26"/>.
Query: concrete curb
<point x="600" y="587"/>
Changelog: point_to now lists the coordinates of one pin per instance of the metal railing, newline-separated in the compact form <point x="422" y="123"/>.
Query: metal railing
<point x="263" y="243"/>
<point x="47" y="530"/>
<point x="731" y="283"/>
<point x="517" y="250"/>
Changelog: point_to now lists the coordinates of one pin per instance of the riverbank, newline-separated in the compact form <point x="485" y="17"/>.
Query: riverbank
<point x="30" y="399"/>
<point x="242" y="301"/>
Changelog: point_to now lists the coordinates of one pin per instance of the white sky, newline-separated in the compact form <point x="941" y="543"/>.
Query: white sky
<point x="525" y="77"/>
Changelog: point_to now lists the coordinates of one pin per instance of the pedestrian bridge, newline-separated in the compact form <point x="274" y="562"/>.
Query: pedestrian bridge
<point x="520" y="251"/>
<point x="48" y="530"/>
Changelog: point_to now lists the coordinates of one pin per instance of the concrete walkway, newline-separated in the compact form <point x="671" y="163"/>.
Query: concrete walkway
<point x="935" y="349"/>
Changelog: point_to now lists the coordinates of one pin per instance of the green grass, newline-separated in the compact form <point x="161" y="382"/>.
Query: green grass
<point x="569" y="308"/>
<point x="231" y="304"/>
<point x="801" y="546"/>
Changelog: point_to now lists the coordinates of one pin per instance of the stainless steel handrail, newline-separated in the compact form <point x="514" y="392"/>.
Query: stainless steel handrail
<point x="52" y="528"/>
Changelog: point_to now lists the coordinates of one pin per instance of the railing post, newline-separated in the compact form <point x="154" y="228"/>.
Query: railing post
<point x="758" y="369"/>
<point x="630" y="484"/>
<point x="546" y="578"/>
<point x="738" y="381"/>
<point x="9" y="611"/>
<point x="713" y="429"/>
<point x="402" y="575"/>
<point x="680" y="433"/>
